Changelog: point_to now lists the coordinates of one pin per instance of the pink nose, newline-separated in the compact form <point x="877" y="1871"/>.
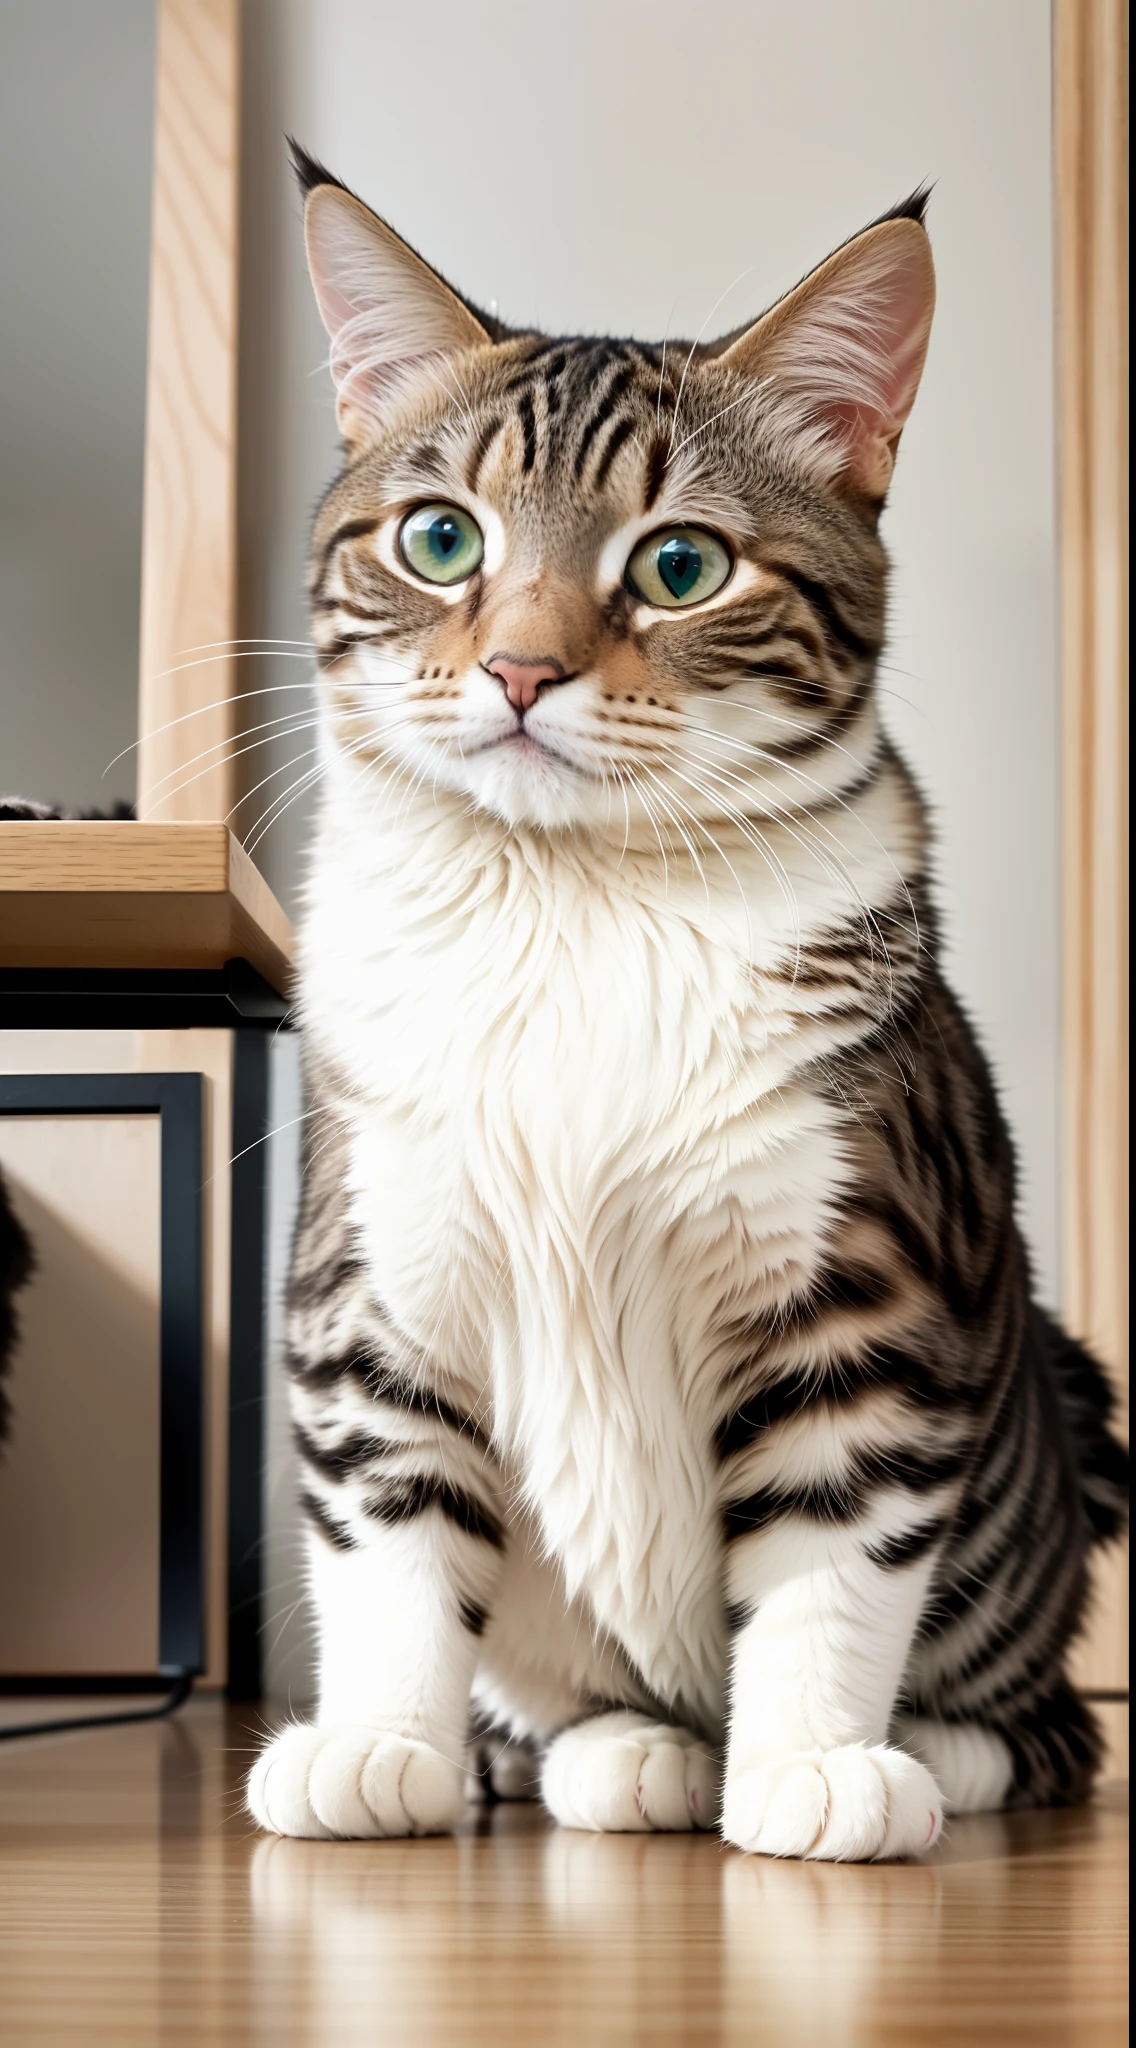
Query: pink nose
<point x="522" y="677"/>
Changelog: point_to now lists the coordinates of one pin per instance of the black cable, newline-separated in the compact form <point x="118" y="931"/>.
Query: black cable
<point x="179" y="1693"/>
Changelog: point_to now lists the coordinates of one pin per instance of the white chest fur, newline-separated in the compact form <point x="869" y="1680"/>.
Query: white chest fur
<point x="579" y="1150"/>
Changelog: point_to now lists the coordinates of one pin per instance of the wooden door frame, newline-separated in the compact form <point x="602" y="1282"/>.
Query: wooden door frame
<point x="187" y="667"/>
<point x="1090" y="125"/>
<point x="187" y="691"/>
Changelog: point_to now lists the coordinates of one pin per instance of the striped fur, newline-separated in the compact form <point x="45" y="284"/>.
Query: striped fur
<point x="665" y="1373"/>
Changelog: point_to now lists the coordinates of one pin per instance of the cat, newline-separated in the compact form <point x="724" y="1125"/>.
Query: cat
<point x="665" y="1375"/>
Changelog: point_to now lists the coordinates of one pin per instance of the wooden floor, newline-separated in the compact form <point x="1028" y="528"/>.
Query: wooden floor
<point x="136" y="1906"/>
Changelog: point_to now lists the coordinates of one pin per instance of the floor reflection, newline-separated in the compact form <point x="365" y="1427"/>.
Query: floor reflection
<point x="549" y="1935"/>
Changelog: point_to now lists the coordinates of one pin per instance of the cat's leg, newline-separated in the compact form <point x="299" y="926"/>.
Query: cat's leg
<point x="406" y="1534"/>
<point x="397" y="1614"/>
<point x="406" y="1539"/>
<point x="817" y="1665"/>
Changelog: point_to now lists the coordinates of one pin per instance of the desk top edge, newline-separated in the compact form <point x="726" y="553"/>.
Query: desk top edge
<point x="131" y="871"/>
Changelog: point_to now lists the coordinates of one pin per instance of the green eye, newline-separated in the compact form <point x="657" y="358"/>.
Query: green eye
<point x="681" y="567"/>
<point x="441" y="543"/>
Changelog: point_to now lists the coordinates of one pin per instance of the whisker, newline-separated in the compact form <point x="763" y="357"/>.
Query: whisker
<point x="829" y="796"/>
<point x="719" y="849"/>
<point x="662" y="367"/>
<point x="736" y="1072"/>
<point x="694" y="345"/>
<point x="280" y="804"/>
<point x="761" y="846"/>
<point x="693" y="435"/>
<point x="253" y="640"/>
<point x="831" y="866"/>
<point x="271" y="777"/>
<point x="199" y="711"/>
<point x="796" y="725"/>
<point x="681" y="832"/>
<point x="775" y="766"/>
<point x="462" y="403"/>
<point x="626" y="815"/>
<point x="318" y="1109"/>
<point x="647" y="805"/>
<point x="220" y="747"/>
<point x="793" y="683"/>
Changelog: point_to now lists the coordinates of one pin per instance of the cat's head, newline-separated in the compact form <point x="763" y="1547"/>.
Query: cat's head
<point x="599" y="583"/>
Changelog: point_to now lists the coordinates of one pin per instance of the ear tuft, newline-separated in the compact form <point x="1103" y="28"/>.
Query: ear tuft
<point x="309" y="170"/>
<point x="914" y="207"/>
<point x="844" y="351"/>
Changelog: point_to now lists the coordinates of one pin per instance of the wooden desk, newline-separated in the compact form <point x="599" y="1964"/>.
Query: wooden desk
<point x="136" y="896"/>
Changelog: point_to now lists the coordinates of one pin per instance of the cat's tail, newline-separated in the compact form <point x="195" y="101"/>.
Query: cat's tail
<point x="1088" y="1405"/>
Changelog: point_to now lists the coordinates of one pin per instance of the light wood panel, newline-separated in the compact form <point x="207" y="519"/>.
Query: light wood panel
<point x="79" y="1533"/>
<point x="189" y="507"/>
<point x="136" y="1906"/>
<point x="1091" y="150"/>
<point x="134" y="895"/>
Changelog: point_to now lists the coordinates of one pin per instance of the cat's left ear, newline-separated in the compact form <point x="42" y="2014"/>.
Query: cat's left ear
<point x="387" y="313"/>
<point x="847" y="348"/>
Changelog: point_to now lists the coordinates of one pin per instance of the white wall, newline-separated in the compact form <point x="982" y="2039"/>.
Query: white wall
<point x="614" y="166"/>
<point x="76" y="138"/>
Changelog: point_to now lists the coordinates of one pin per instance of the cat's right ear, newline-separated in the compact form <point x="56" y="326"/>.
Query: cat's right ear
<point x="387" y="313"/>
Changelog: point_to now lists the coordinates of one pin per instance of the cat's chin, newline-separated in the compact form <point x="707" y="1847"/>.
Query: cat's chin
<point x="528" y="784"/>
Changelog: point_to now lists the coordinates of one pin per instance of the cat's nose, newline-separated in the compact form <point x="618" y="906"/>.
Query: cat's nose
<point x="522" y="676"/>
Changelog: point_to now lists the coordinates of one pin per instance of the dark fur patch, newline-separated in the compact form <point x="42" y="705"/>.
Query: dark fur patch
<point x="332" y="1531"/>
<point x="403" y="1500"/>
<point x="656" y="473"/>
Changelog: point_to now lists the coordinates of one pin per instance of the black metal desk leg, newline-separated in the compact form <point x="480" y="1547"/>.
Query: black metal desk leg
<point x="246" y="1359"/>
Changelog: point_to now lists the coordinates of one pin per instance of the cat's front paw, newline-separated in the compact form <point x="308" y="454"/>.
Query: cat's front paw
<point x="623" y="1774"/>
<point x="850" y="1805"/>
<point x="351" y="1782"/>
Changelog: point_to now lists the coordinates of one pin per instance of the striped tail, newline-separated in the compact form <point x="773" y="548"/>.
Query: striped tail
<point x="1088" y="1405"/>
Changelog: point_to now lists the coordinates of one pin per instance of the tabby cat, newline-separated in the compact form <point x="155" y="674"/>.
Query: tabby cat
<point x="665" y="1376"/>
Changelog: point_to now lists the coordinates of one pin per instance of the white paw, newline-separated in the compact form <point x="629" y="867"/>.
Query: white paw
<point x="850" y="1805"/>
<point x="345" y="1781"/>
<point x="623" y="1774"/>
